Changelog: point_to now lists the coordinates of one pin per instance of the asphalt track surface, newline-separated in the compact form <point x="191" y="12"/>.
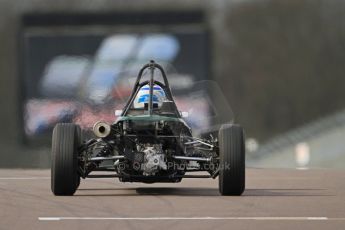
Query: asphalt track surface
<point x="274" y="199"/>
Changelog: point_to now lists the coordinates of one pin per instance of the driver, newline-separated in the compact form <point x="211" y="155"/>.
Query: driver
<point x="143" y="97"/>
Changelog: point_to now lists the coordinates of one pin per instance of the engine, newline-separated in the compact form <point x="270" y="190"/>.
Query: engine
<point x="153" y="159"/>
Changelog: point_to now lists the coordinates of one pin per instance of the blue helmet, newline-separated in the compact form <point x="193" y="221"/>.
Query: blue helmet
<point x="143" y="96"/>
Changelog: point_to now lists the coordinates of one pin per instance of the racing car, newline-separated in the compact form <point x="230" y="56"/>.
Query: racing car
<point x="149" y="142"/>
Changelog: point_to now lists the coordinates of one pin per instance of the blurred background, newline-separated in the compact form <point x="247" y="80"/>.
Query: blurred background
<point x="278" y="63"/>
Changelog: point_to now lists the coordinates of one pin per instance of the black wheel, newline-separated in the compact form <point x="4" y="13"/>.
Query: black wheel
<point x="232" y="160"/>
<point x="64" y="176"/>
<point x="80" y="139"/>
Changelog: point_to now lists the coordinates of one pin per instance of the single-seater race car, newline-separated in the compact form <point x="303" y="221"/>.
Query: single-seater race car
<point x="149" y="142"/>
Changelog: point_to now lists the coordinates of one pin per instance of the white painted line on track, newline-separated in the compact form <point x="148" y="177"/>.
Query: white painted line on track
<point x="184" y="218"/>
<point x="302" y="168"/>
<point x="24" y="178"/>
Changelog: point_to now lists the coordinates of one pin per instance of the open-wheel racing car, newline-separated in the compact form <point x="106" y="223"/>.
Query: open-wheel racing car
<point x="149" y="142"/>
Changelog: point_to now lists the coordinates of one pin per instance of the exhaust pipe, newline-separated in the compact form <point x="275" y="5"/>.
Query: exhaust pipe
<point x="101" y="129"/>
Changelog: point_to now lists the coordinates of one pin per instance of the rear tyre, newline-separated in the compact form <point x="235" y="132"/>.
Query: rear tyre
<point x="64" y="175"/>
<point x="232" y="160"/>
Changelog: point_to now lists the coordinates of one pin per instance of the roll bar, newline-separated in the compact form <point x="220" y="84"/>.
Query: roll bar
<point x="152" y="66"/>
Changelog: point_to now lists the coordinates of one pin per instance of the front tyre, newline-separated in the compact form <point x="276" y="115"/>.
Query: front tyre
<point x="232" y="160"/>
<point x="64" y="176"/>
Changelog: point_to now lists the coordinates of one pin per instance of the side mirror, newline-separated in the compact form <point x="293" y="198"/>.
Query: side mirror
<point x="184" y="114"/>
<point x="118" y="112"/>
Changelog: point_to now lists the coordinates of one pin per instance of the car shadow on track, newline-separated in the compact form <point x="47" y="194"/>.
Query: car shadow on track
<point x="178" y="191"/>
<point x="168" y="191"/>
<point x="148" y="191"/>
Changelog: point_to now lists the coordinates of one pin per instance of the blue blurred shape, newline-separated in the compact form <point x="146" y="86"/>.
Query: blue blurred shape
<point x="116" y="48"/>
<point x="158" y="47"/>
<point x="62" y="76"/>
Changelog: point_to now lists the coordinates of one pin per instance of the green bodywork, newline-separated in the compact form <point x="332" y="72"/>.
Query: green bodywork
<point x="151" y="118"/>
